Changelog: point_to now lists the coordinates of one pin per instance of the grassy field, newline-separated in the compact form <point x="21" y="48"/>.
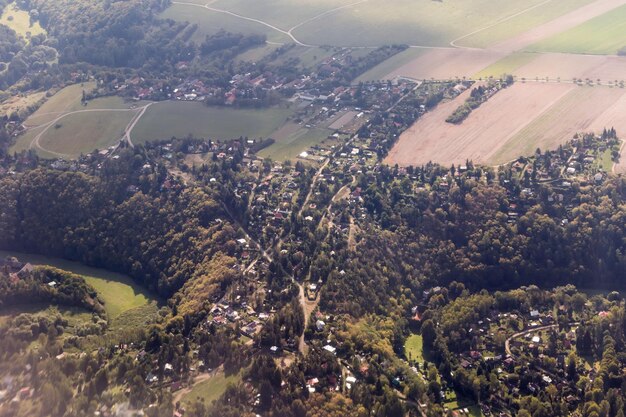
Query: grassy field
<point x="372" y="23"/>
<point x="20" y="103"/>
<point x="212" y="388"/>
<point x="294" y="144"/>
<point x="19" y="21"/>
<point x="380" y="71"/>
<point x="414" y="348"/>
<point x="605" y="34"/>
<point x="180" y="119"/>
<point x="79" y="132"/>
<point x="66" y="99"/>
<point x="506" y="65"/>
<point x="454" y="402"/>
<point x="119" y="293"/>
<point x="74" y="316"/>
<point x="83" y="132"/>
<point x="210" y="23"/>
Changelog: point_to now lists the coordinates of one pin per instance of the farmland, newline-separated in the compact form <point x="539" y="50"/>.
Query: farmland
<point x="382" y="70"/>
<point x="180" y="119"/>
<point x="574" y="112"/>
<point x="370" y="23"/>
<point x="605" y="34"/>
<point x="514" y="122"/>
<point x="119" y="293"/>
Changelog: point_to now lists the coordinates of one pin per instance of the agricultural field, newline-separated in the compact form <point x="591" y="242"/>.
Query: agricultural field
<point x="169" y="119"/>
<point x="19" y="21"/>
<point x="605" y="34"/>
<point x="446" y="63"/>
<point x="514" y="122"/>
<point x="577" y="111"/>
<point x="119" y="293"/>
<point x="534" y="16"/>
<point x="507" y="65"/>
<point x="371" y="23"/>
<point x="382" y="70"/>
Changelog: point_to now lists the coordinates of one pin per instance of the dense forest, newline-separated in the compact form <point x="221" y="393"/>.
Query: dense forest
<point x="162" y="240"/>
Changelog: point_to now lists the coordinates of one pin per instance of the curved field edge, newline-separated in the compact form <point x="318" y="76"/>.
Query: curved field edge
<point x="119" y="292"/>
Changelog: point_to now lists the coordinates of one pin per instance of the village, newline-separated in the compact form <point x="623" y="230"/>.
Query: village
<point x="320" y="189"/>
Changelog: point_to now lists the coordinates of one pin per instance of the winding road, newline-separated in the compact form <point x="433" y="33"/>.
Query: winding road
<point x="36" y="142"/>
<point x="507" y="343"/>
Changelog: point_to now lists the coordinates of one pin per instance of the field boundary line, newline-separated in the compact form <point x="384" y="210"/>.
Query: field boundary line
<point x="336" y="9"/>
<point x="289" y="32"/>
<point x="35" y="142"/>
<point x="250" y="19"/>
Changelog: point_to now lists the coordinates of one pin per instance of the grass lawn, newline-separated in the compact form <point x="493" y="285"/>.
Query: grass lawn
<point x="506" y="65"/>
<point x="604" y="161"/>
<point x="454" y="402"/>
<point x="605" y="34"/>
<point x="212" y="388"/>
<point x="414" y="348"/>
<point x="65" y="99"/>
<point x="119" y="292"/>
<point x="372" y="23"/>
<point x="19" y="21"/>
<point x="294" y="144"/>
<point x="380" y="71"/>
<point x="180" y="119"/>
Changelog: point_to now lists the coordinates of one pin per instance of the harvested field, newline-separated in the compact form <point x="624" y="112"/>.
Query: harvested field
<point x="447" y="63"/>
<point x="444" y="63"/>
<point x="579" y="111"/>
<point x="514" y="122"/>
<point x="569" y="66"/>
<point x="482" y="133"/>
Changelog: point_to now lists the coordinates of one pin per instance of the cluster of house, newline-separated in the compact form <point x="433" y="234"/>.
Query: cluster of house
<point x="15" y="269"/>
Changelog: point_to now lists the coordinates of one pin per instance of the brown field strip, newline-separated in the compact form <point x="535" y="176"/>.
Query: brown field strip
<point x="514" y="122"/>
